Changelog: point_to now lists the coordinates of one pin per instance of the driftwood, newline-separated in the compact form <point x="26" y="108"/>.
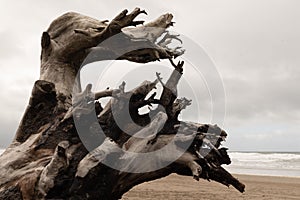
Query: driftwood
<point x="48" y="159"/>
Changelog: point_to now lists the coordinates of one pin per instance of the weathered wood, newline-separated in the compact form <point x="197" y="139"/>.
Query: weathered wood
<point x="48" y="158"/>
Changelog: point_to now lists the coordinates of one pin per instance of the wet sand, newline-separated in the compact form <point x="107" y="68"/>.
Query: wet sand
<point x="180" y="187"/>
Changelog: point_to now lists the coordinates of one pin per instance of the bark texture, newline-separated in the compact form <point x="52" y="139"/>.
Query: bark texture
<point x="48" y="159"/>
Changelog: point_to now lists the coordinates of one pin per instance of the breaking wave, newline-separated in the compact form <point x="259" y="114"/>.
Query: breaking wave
<point x="262" y="163"/>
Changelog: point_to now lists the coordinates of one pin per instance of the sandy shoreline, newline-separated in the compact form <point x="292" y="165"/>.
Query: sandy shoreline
<point x="179" y="187"/>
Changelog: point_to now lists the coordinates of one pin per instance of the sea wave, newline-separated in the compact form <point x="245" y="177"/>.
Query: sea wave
<point x="262" y="163"/>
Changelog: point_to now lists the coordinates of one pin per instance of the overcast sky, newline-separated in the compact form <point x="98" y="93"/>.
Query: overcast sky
<point x="253" y="44"/>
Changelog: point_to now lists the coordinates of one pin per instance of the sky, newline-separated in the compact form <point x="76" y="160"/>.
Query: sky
<point x="253" y="45"/>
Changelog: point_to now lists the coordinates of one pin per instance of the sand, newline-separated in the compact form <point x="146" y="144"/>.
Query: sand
<point x="179" y="187"/>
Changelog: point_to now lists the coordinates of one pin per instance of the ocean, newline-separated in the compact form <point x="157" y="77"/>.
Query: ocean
<point x="263" y="163"/>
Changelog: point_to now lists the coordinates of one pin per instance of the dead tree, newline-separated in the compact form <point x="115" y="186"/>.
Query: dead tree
<point x="48" y="160"/>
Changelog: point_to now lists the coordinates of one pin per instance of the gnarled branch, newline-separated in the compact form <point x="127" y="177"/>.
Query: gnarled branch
<point x="49" y="159"/>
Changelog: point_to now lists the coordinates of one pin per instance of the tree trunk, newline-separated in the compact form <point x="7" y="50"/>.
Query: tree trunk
<point x="49" y="160"/>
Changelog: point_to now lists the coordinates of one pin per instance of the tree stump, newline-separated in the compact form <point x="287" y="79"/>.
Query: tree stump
<point x="47" y="158"/>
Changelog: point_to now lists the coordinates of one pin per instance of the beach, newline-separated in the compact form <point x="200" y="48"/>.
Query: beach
<point x="284" y="186"/>
<point x="270" y="176"/>
<point x="181" y="187"/>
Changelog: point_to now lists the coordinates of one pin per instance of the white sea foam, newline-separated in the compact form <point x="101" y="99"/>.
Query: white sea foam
<point x="275" y="164"/>
<point x="1" y="151"/>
